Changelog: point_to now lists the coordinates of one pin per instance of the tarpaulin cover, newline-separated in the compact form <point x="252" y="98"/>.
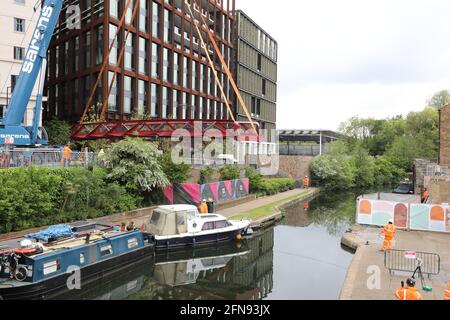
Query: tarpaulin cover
<point x="218" y="191"/>
<point x="53" y="232"/>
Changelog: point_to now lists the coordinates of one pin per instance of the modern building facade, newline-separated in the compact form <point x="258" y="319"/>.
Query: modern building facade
<point x="256" y="71"/>
<point x="163" y="73"/>
<point x="17" y="21"/>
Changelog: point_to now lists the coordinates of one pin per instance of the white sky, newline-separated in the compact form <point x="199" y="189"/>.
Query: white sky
<point x="344" y="58"/>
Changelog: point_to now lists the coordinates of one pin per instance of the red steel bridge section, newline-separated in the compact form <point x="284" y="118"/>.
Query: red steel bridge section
<point x="241" y="131"/>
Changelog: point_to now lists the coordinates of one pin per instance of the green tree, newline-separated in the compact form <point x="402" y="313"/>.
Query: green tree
<point x="58" y="132"/>
<point x="134" y="163"/>
<point x="336" y="172"/>
<point x="365" y="168"/>
<point x="176" y="173"/>
<point x="440" y="99"/>
<point x="206" y="175"/>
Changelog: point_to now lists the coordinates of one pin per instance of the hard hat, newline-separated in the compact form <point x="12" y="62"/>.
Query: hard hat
<point x="411" y="282"/>
<point x="204" y="200"/>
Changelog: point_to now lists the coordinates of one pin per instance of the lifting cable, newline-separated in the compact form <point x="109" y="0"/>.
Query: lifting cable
<point x="119" y="61"/>
<point x="227" y="70"/>
<point x="224" y="96"/>
<point x="105" y="63"/>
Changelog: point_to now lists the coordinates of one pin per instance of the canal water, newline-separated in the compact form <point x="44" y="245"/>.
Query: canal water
<point x="300" y="258"/>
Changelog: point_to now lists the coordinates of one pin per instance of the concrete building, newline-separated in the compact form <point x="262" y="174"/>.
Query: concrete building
<point x="256" y="71"/>
<point x="17" y="21"/>
<point x="164" y="73"/>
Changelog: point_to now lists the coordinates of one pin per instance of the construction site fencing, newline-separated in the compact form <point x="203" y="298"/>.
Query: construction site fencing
<point x="408" y="261"/>
<point x="50" y="159"/>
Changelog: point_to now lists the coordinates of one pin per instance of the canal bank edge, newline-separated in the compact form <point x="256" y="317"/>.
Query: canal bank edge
<point x="277" y="209"/>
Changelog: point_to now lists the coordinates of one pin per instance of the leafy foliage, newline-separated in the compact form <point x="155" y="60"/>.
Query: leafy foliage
<point x="134" y="163"/>
<point x="229" y="172"/>
<point x="176" y="173"/>
<point x="58" y="132"/>
<point x="36" y="197"/>
<point x="206" y="175"/>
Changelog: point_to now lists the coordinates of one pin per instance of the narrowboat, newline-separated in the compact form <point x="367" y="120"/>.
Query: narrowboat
<point x="178" y="226"/>
<point x="41" y="265"/>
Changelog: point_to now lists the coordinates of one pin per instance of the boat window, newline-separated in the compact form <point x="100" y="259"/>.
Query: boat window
<point x="180" y="218"/>
<point x="82" y="259"/>
<point x="51" y="267"/>
<point x="155" y="217"/>
<point x="221" y="224"/>
<point x="208" y="226"/>
<point x="132" y="243"/>
<point x="106" y="250"/>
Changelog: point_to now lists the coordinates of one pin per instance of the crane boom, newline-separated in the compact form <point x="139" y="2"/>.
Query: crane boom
<point x="12" y="131"/>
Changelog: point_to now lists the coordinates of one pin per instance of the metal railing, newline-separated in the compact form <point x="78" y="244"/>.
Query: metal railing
<point x="408" y="261"/>
<point x="39" y="158"/>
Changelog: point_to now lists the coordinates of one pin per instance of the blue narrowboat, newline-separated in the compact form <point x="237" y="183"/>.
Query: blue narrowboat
<point x="67" y="257"/>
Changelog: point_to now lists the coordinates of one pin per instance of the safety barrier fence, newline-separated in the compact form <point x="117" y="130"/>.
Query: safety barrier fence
<point x="408" y="261"/>
<point x="23" y="159"/>
<point x="409" y="216"/>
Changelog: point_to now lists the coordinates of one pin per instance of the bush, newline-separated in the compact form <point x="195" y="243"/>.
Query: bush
<point x="334" y="172"/>
<point x="37" y="197"/>
<point x="229" y="172"/>
<point x="206" y="175"/>
<point x="175" y="173"/>
<point x="274" y="186"/>
<point x="255" y="179"/>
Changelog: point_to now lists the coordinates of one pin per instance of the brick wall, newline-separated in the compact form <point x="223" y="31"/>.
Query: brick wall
<point x="440" y="190"/>
<point x="296" y="167"/>
<point x="444" y="150"/>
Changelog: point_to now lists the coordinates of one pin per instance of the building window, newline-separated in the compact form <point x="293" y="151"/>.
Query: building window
<point x="129" y="13"/>
<point x="264" y="87"/>
<point x="155" y="20"/>
<point x="166" y="64"/>
<point x="142" y="97"/>
<point x="86" y="49"/>
<point x="129" y="45"/>
<point x="155" y="100"/>
<point x="259" y="62"/>
<point x="176" y="68"/>
<point x="99" y="45"/>
<point x="143" y="14"/>
<point x="114" y="8"/>
<point x="143" y="62"/>
<point x="76" y="50"/>
<point x="128" y="94"/>
<point x="185" y="71"/>
<point x="165" y="102"/>
<point x="113" y="55"/>
<point x="167" y="26"/>
<point x="113" y="96"/>
<point x="19" y="25"/>
<point x="155" y="60"/>
<point x="19" y="53"/>
<point x="258" y="107"/>
<point x="175" y="104"/>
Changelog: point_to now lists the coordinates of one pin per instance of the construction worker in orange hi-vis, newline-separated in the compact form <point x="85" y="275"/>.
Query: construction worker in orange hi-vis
<point x="447" y="292"/>
<point x="389" y="232"/>
<point x="425" y="196"/>
<point x="203" y="208"/>
<point x="408" y="293"/>
<point x="306" y="182"/>
<point x="66" y="155"/>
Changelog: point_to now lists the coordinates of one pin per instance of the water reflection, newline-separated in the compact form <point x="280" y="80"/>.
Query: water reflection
<point x="301" y="258"/>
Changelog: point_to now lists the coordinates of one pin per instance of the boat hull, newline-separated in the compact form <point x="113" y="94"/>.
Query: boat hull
<point x="52" y="287"/>
<point x="197" y="240"/>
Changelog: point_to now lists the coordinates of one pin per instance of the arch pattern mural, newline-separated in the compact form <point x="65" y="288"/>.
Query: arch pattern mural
<point x="413" y="216"/>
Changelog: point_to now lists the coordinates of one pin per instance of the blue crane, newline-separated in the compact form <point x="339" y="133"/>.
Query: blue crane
<point x="12" y="131"/>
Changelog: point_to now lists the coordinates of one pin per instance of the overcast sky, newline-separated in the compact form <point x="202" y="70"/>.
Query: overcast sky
<point x="368" y="58"/>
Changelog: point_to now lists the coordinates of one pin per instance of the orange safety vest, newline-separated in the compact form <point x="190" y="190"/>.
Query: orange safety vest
<point x="306" y="182"/>
<point x="203" y="208"/>
<point x="408" y="293"/>
<point x="447" y="292"/>
<point x="389" y="231"/>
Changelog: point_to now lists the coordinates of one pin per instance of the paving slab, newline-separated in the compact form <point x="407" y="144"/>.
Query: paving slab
<point x="368" y="257"/>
